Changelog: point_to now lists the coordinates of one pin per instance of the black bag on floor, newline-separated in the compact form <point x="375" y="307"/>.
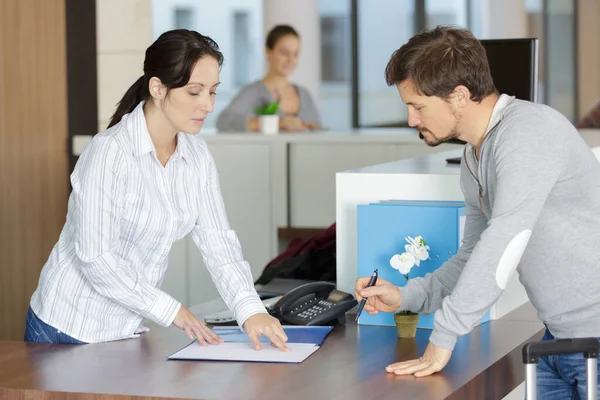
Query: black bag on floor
<point x="308" y="259"/>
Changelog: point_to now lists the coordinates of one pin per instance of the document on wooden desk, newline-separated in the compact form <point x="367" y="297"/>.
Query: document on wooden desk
<point x="302" y="342"/>
<point x="232" y="351"/>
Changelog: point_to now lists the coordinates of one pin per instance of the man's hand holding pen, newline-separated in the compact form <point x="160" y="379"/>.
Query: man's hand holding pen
<point x="386" y="297"/>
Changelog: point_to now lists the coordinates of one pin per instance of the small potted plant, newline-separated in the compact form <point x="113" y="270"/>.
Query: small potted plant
<point x="268" y="118"/>
<point x="416" y="250"/>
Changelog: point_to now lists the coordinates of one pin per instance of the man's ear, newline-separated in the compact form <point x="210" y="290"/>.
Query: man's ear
<point x="461" y="96"/>
<point x="156" y="88"/>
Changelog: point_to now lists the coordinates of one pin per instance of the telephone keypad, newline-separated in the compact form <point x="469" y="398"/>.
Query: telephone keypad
<point x="312" y="308"/>
<point x="316" y="303"/>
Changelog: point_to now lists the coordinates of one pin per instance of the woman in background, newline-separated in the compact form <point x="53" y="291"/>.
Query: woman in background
<point x="297" y="109"/>
<point x="144" y="183"/>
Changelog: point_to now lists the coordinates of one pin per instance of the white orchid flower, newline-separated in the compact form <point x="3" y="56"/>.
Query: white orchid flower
<point x="403" y="262"/>
<point x="421" y="252"/>
<point x="411" y="240"/>
<point x="417" y="248"/>
<point x="410" y="249"/>
<point x="417" y="241"/>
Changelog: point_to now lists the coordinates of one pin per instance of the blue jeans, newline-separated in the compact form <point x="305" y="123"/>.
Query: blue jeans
<point x="38" y="331"/>
<point x="562" y="376"/>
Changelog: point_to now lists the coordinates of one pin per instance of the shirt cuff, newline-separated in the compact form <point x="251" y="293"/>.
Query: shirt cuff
<point x="248" y="306"/>
<point x="443" y="339"/>
<point x="413" y="297"/>
<point x="164" y="310"/>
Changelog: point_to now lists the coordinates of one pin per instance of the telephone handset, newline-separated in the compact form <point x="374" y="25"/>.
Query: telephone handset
<point x="314" y="303"/>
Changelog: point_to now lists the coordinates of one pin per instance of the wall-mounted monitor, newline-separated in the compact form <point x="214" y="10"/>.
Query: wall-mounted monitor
<point x="514" y="66"/>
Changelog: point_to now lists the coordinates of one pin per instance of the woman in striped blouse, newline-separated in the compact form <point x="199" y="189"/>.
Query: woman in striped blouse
<point x="139" y="186"/>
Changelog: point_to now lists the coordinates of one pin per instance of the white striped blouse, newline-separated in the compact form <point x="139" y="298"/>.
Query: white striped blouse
<point x="125" y="211"/>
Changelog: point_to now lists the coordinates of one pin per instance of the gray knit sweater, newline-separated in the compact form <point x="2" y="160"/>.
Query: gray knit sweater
<point x="533" y="204"/>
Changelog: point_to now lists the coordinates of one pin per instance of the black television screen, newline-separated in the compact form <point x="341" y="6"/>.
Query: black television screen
<point x="514" y="66"/>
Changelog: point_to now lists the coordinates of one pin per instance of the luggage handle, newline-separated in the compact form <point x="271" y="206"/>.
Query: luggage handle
<point x="534" y="350"/>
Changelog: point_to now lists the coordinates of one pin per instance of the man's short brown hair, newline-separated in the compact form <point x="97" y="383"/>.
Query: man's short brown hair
<point x="439" y="60"/>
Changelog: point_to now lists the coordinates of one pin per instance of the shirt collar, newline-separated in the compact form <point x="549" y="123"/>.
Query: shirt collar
<point x="498" y="111"/>
<point x="140" y="136"/>
<point x="497" y="114"/>
<point x="182" y="150"/>
<point x="138" y="131"/>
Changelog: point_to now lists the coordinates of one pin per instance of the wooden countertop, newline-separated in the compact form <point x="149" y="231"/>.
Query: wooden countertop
<point x="349" y="365"/>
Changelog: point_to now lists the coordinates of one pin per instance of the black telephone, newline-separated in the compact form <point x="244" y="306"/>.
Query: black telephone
<point x="314" y="303"/>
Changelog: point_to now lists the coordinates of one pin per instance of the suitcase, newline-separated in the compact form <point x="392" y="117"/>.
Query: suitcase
<point x="533" y="351"/>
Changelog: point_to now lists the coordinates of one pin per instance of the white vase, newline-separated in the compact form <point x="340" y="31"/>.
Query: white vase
<point x="269" y="124"/>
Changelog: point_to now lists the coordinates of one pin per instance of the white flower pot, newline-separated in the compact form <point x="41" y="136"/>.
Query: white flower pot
<point x="269" y="124"/>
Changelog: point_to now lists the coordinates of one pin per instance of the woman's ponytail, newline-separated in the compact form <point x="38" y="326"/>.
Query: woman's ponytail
<point x="136" y="93"/>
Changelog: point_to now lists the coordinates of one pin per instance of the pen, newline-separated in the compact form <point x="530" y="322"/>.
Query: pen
<point x="364" y="300"/>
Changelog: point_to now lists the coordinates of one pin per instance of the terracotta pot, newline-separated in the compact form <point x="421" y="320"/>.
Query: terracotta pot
<point x="406" y="325"/>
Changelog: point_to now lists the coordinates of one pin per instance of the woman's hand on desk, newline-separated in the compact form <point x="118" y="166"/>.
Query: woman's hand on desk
<point x="384" y="296"/>
<point x="292" y="124"/>
<point x="186" y="321"/>
<point x="313" y="126"/>
<point x="264" y="324"/>
<point x="434" y="360"/>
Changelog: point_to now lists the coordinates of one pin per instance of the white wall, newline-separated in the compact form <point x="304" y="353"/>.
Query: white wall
<point x="123" y="31"/>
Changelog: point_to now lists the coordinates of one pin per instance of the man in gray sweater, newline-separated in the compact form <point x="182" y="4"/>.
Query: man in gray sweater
<point x="532" y="193"/>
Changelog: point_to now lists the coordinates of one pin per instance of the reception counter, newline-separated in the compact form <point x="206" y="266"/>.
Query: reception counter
<point x="486" y="364"/>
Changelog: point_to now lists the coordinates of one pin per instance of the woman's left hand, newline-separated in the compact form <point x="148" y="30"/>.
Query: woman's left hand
<point x="313" y="126"/>
<point x="264" y="324"/>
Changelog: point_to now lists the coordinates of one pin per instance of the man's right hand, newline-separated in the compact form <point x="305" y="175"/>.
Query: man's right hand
<point x="384" y="296"/>
<point x="186" y="321"/>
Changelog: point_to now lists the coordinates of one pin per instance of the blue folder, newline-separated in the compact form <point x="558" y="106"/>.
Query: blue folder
<point x="296" y="334"/>
<point x="381" y="231"/>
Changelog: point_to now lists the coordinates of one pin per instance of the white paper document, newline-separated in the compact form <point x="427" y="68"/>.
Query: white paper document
<point x="245" y="352"/>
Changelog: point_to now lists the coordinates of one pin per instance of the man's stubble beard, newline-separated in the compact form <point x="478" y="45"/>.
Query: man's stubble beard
<point x="454" y="133"/>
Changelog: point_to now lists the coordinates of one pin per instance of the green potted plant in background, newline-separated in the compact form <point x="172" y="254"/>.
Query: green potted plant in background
<point x="268" y="118"/>
<point x="415" y="251"/>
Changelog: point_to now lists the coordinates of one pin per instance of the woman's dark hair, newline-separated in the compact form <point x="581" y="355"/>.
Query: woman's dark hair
<point x="171" y="58"/>
<point x="277" y="33"/>
<point x="439" y="60"/>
